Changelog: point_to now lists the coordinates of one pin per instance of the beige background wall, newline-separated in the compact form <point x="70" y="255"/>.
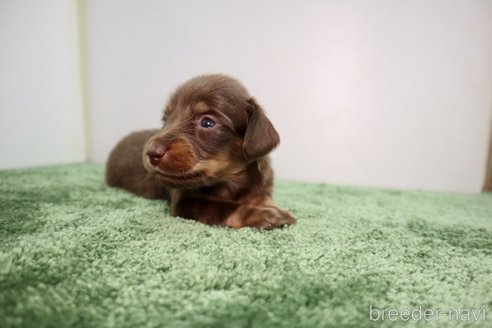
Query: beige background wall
<point x="380" y="93"/>
<point x="41" y="119"/>
<point x="385" y="93"/>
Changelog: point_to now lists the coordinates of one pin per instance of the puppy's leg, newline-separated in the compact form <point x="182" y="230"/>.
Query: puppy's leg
<point x="125" y="169"/>
<point x="265" y="217"/>
<point x="232" y="214"/>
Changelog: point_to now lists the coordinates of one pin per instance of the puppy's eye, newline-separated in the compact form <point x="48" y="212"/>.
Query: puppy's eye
<point x="207" y="123"/>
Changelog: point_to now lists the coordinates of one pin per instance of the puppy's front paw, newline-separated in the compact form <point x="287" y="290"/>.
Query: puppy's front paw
<point x="270" y="218"/>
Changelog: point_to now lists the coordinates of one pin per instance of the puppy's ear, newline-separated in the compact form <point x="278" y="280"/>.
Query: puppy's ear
<point x="260" y="136"/>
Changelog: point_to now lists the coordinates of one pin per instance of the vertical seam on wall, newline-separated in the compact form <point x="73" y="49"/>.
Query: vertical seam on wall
<point x="83" y="77"/>
<point x="487" y="186"/>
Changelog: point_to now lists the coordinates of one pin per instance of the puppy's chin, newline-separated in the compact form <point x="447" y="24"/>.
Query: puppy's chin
<point x="188" y="180"/>
<point x="204" y="173"/>
<point x="175" y="180"/>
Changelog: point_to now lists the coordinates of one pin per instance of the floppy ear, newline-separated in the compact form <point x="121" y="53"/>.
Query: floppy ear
<point x="260" y="136"/>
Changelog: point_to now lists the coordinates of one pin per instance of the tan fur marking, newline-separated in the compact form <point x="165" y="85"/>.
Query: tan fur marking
<point x="201" y="107"/>
<point x="220" y="166"/>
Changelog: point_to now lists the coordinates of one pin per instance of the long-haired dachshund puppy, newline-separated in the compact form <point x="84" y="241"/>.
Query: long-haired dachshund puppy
<point x="210" y="159"/>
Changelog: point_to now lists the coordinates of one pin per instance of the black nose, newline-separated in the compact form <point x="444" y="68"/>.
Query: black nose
<point x="155" y="153"/>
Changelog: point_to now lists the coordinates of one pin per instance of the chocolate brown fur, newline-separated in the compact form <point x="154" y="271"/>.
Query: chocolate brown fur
<point x="210" y="159"/>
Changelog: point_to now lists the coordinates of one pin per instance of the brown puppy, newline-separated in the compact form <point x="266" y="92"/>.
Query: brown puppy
<point x="209" y="160"/>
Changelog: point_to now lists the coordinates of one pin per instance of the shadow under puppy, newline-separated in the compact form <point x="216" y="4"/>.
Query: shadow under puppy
<point x="210" y="159"/>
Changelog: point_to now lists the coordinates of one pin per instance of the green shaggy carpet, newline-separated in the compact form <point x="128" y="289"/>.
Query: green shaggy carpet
<point x="75" y="253"/>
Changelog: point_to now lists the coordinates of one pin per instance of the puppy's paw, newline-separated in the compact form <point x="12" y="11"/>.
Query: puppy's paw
<point x="270" y="218"/>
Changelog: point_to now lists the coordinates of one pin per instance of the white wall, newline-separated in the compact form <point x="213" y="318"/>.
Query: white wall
<point x="383" y="93"/>
<point x="40" y="99"/>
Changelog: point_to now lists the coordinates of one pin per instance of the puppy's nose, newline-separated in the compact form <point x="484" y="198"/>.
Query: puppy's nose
<point x="155" y="153"/>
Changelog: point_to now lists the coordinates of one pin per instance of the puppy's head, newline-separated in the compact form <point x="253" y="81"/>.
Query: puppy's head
<point x="212" y="130"/>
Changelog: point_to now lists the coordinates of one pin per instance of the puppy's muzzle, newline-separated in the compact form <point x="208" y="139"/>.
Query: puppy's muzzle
<point x="172" y="162"/>
<point x="155" y="154"/>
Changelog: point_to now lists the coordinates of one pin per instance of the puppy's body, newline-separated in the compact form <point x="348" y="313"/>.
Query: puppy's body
<point x="210" y="158"/>
<point x="125" y="169"/>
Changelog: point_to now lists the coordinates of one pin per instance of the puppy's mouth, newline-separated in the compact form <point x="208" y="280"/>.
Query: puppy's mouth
<point x="179" y="180"/>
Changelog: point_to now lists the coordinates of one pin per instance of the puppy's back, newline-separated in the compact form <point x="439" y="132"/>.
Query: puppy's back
<point x="124" y="168"/>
